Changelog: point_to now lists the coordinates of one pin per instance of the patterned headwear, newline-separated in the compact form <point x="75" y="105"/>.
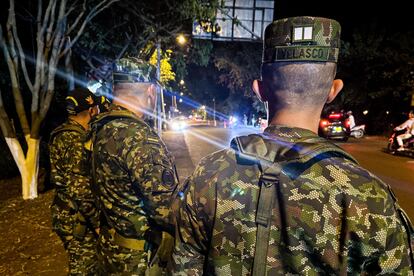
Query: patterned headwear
<point x="128" y="70"/>
<point x="80" y="99"/>
<point x="302" y="38"/>
<point x="103" y="103"/>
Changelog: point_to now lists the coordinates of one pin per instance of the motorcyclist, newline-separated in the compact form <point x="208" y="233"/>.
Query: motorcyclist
<point x="351" y="120"/>
<point x="409" y="127"/>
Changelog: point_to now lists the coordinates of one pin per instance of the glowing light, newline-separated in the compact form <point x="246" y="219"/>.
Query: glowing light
<point x="387" y="112"/>
<point x="324" y="123"/>
<point x="365" y="112"/>
<point x="335" y="116"/>
<point x="181" y="39"/>
<point x="182" y="82"/>
<point x="93" y="87"/>
<point x="178" y="125"/>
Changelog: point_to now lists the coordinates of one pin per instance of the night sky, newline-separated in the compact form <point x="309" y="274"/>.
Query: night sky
<point x="353" y="14"/>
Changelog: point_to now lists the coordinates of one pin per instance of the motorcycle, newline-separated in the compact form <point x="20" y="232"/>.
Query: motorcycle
<point x="358" y="131"/>
<point x="393" y="144"/>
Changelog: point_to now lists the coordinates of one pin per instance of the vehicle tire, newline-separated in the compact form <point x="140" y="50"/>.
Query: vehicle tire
<point x="358" y="133"/>
<point x="391" y="149"/>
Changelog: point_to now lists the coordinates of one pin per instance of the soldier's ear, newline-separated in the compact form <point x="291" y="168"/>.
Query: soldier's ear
<point x="152" y="91"/>
<point x="337" y="86"/>
<point x="93" y="111"/>
<point x="258" y="89"/>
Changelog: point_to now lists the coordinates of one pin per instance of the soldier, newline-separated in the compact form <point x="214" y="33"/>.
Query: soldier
<point x="103" y="104"/>
<point x="134" y="177"/>
<point x="286" y="201"/>
<point x="74" y="214"/>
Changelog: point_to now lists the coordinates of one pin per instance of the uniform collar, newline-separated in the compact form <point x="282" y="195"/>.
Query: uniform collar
<point x="287" y="133"/>
<point x="73" y="122"/>
<point x="119" y="108"/>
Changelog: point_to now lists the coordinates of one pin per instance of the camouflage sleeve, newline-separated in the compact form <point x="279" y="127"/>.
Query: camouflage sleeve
<point x="194" y="219"/>
<point x="398" y="257"/>
<point x="374" y="216"/>
<point x="70" y="176"/>
<point x="153" y="177"/>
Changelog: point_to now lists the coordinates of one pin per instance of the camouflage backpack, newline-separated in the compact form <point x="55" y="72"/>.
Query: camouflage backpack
<point x="294" y="158"/>
<point x="83" y="223"/>
<point x="272" y="156"/>
<point x="165" y="245"/>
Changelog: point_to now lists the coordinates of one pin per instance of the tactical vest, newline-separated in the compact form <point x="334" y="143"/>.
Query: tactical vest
<point x="272" y="157"/>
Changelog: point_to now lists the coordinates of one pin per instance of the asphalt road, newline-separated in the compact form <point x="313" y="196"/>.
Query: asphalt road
<point x="189" y="146"/>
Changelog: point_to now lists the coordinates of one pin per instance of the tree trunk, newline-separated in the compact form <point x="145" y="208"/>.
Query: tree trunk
<point x="28" y="165"/>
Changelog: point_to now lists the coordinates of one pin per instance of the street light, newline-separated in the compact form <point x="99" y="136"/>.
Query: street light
<point x="181" y="39"/>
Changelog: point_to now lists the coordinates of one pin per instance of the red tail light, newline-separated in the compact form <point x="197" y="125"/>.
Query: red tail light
<point x="324" y="123"/>
<point x="347" y="123"/>
<point x="334" y="116"/>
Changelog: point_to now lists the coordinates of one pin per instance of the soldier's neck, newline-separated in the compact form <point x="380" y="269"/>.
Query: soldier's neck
<point x="305" y="120"/>
<point x="82" y="120"/>
<point x="132" y="105"/>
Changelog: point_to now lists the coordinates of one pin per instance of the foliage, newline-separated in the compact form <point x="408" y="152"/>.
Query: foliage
<point x="377" y="67"/>
<point x="239" y="65"/>
<point x="132" y="28"/>
<point x="167" y="74"/>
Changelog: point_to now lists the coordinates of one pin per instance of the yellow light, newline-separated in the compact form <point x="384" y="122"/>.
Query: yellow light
<point x="182" y="82"/>
<point x="181" y="39"/>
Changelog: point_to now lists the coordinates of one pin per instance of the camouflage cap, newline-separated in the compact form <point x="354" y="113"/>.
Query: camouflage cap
<point x="131" y="70"/>
<point x="302" y="38"/>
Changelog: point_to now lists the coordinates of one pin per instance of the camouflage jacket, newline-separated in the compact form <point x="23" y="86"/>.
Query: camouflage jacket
<point x="134" y="174"/>
<point x="332" y="218"/>
<point x="68" y="171"/>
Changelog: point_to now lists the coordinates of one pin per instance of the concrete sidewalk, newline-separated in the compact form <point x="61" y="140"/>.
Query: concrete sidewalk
<point x="177" y="146"/>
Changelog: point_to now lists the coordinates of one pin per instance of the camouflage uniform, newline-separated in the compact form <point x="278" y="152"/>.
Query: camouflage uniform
<point x="323" y="214"/>
<point x="333" y="217"/>
<point x="134" y="182"/>
<point x="74" y="213"/>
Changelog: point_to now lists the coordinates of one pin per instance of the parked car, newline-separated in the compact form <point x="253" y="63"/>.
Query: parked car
<point x="334" y="126"/>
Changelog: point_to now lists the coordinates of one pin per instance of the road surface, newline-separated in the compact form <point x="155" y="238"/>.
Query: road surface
<point x="191" y="145"/>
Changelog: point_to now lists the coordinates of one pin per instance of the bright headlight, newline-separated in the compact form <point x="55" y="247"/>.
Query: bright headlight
<point x="180" y="125"/>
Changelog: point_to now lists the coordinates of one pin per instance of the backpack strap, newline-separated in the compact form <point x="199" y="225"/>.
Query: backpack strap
<point x="268" y="182"/>
<point x="274" y="156"/>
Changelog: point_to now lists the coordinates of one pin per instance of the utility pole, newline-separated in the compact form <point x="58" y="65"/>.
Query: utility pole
<point x="214" y="111"/>
<point x="160" y="95"/>
<point x="158" y="121"/>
